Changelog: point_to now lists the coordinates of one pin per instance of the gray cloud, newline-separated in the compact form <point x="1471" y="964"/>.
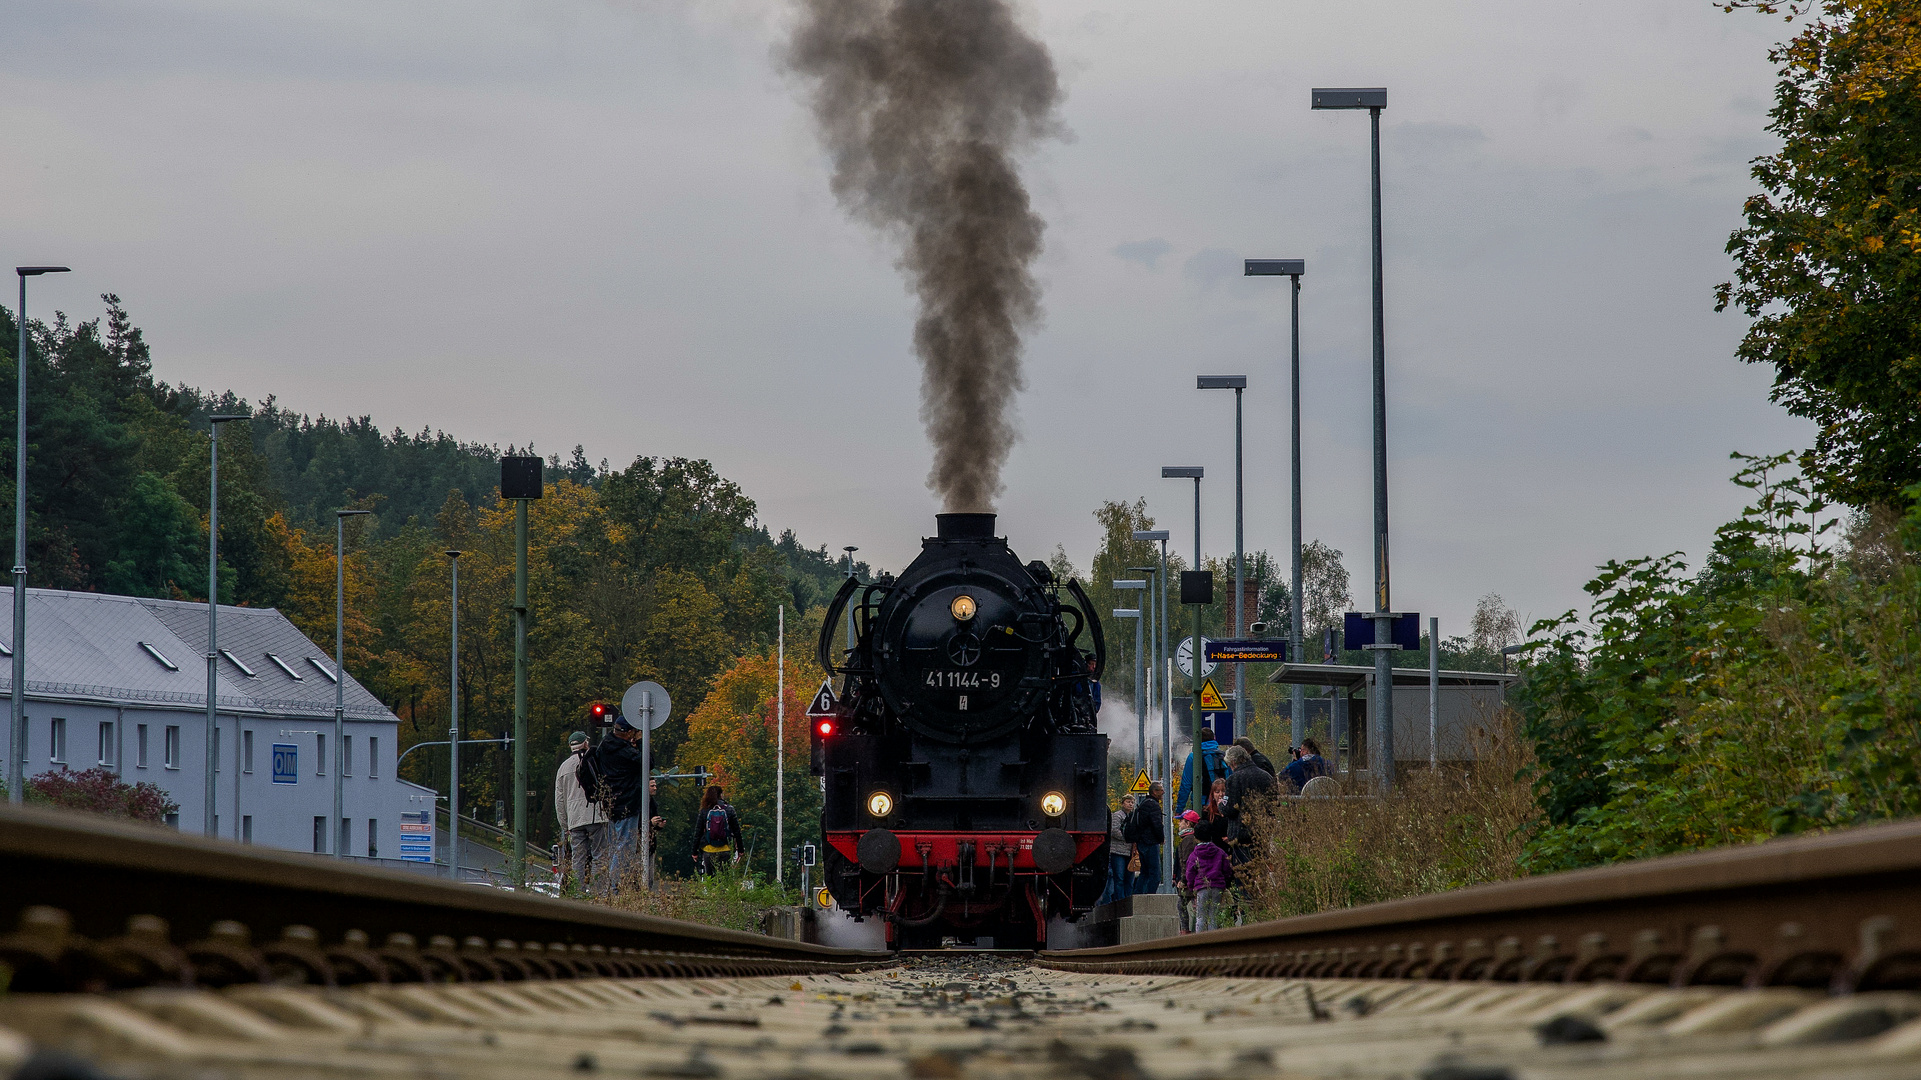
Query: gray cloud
<point x="1146" y="252"/>
<point x="1211" y="266"/>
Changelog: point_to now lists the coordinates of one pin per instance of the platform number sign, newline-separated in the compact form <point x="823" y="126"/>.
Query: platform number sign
<point x="286" y="763"/>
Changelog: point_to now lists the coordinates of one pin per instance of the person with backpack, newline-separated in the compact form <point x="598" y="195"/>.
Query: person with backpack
<point x="1211" y="766"/>
<point x="1119" y="852"/>
<point x="583" y="825"/>
<point x="1260" y="760"/>
<point x="1208" y="874"/>
<point x="1148" y="831"/>
<point x="716" y="832"/>
<point x="611" y="777"/>
<point x="1307" y="764"/>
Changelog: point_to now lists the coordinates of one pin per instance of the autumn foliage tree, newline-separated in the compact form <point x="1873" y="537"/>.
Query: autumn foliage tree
<point x="1829" y="260"/>
<point x="733" y="733"/>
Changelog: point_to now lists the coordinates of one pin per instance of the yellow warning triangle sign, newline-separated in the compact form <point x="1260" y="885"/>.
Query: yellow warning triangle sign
<point x="1140" y="784"/>
<point x="1210" y="697"/>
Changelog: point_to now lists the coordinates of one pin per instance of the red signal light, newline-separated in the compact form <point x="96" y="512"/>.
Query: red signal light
<point x="825" y="727"/>
<point x="598" y="710"/>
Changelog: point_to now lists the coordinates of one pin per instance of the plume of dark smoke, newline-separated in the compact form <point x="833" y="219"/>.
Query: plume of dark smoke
<point x="924" y="105"/>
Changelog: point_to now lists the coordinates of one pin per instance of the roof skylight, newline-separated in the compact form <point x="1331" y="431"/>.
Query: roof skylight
<point x="317" y="666"/>
<point x="159" y="656"/>
<point x="282" y="665"/>
<point x="235" y="661"/>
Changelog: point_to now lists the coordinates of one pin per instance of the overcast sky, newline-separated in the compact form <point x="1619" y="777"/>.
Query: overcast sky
<point x="608" y="223"/>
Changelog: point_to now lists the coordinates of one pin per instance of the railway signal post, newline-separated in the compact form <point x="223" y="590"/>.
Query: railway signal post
<point x="521" y="481"/>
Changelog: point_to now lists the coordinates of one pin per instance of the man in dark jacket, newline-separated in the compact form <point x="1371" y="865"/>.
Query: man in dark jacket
<point x="1149" y="833"/>
<point x="1245" y="785"/>
<point x="1307" y="764"/>
<point x="620" y="767"/>
<point x="1260" y="759"/>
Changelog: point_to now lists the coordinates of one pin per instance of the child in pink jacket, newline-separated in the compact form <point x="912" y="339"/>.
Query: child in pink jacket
<point x="1209" y="874"/>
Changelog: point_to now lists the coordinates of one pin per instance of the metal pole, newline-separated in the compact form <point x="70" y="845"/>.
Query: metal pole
<point x="17" y="773"/>
<point x="213" y="619"/>
<point x="453" y="739"/>
<point x="1299" y="637"/>
<point x="647" y="790"/>
<point x="1240" y="577"/>
<point x="1140" y="690"/>
<point x="850" y="611"/>
<point x="1381" y="711"/>
<point x="1433" y="693"/>
<point x="340" y="686"/>
<point x="780" y="743"/>
<point x="1196" y="656"/>
<point x="1167" y="736"/>
<point x="520" y="689"/>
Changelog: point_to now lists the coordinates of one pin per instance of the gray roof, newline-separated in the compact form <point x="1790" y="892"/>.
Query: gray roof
<point x="1355" y="677"/>
<point x="89" y="645"/>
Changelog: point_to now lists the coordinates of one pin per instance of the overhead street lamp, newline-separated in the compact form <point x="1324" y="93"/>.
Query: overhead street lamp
<point x="1167" y="733"/>
<point x="1154" y="629"/>
<point x="1194" y="473"/>
<point x="213" y="615"/>
<point x="1137" y="613"/>
<point x="1293" y="269"/>
<point x="17" y="775"/>
<point x="1374" y="99"/>
<point x="340" y="679"/>
<point x="1238" y="384"/>
<point x="453" y="738"/>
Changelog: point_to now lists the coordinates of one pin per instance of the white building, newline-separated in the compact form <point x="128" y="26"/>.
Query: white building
<point x="120" y="683"/>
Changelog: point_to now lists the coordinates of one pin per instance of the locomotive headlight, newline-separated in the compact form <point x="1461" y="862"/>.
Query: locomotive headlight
<point x="880" y="804"/>
<point x="962" y="608"/>
<point x="1053" y="804"/>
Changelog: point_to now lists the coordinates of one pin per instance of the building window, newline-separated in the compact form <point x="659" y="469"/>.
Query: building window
<point x="235" y="661"/>
<point x="346" y="755"/>
<point x="320" y="759"/>
<point x="57" y="746"/>
<point x="373" y="839"/>
<point x="170" y="751"/>
<point x="282" y="665"/>
<point x="159" y="657"/>
<point x="320" y="834"/>
<point x="322" y="669"/>
<point x="173" y="819"/>
<point x="246" y="828"/>
<point x="373" y="758"/>
<point x="106" y="742"/>
<point x="246" y="765"/>
<point x="140" y="745"/>
<point x="216" y="752"/>
<point x="346" y="835"/>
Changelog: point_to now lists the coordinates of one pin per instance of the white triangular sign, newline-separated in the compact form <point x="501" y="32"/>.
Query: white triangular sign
<point x="823" y="703"/>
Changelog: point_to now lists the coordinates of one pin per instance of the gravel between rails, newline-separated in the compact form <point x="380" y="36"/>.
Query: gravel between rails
<point x="965" y="1016"/>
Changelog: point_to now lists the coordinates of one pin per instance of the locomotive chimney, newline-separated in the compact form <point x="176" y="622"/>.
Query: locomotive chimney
<point x="965" y="526"/>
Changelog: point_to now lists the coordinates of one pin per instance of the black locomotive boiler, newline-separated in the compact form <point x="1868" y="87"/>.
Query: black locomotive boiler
<point x="965" y="777"/>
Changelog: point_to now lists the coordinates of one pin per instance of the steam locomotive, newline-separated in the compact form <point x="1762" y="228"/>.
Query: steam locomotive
<point x="965" y="779"/>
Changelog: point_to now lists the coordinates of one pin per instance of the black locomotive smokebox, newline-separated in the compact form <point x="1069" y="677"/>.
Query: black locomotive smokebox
<point x="964" y="526"/>
<point x="878" y="851"/>
<point x="1054" y="851"/>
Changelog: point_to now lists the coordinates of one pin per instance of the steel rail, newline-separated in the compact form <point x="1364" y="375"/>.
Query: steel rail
<point x="1839" y="911"/>
<point x="98" y="902"/>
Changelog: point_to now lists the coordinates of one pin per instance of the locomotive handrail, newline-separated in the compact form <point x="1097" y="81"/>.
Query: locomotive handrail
<point x="832" y="622"/>
<point x="1093" y="623"/>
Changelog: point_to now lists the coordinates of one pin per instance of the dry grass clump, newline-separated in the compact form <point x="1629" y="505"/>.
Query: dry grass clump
<point x="729" y="899"/>
<point x="1441" y="829"/>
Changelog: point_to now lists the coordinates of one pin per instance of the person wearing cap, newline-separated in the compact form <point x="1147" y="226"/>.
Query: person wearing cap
<point x="617" y="759"/>
<point x="583" y="825"/>
<point x="1182" y="850"/>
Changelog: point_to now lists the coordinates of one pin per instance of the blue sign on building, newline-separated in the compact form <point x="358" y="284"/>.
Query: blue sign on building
<point x="286" y="763"/>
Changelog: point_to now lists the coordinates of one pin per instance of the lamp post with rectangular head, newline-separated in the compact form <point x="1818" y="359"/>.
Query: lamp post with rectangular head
<point x="340" y="680"/>
<point x="213" y="617"/>
<point x="1374" y="99"/>
<point x="521" y="481"/>
<point x="17" y="748"/>
<point x="1292" y="269"/>
<point x="453" y="713"/>
<point x="1138" y="614"/>
<point x="1159" y="536"/>
<point x="1196" y="652"/>
<point x="1238" y="384"/>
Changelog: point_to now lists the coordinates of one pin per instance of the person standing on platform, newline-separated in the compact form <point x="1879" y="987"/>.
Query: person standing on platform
<point x="1260" y="759"/>
<point x="1307" y="764"/>
<point x="1211" y="767"/>
<point x="1149" y="833"/>
<point x="1119" y="852"/>
<point x="1209" y="874"/>
<point x="582" y="823"/>
<point x="617" y="760"/>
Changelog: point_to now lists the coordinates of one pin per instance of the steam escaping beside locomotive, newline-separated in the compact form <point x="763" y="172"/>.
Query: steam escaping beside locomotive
<point x="965" y="779"/>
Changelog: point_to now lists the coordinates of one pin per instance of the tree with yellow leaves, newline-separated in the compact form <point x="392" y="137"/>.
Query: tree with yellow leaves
<point x="732" y="733"/>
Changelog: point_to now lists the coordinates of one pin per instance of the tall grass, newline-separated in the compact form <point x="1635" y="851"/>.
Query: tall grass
<point x="1440" y="829"/>
<point x="729" y="898"/>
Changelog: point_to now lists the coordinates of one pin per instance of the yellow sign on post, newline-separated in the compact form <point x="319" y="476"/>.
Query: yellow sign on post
<point x="1211" y="698"/>
<point x="1140" y="784"/>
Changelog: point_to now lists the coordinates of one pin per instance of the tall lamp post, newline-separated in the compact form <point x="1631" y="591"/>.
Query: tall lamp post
<point x="1238" y="384"/>
<point x="453" y="738"/>
<point x="1167" y="727"/>
<point x="521" y="481"/>
<point x="850" y="549"/>
<point x="1197" y="653"/>
<point x="17" y="775"/>
<point x="1374" y="100"/>
<point x="1138" y="614"/>
<point x="340" y="678"/>
<point x="1292" y="268"/>
<point x="213" y="614"/>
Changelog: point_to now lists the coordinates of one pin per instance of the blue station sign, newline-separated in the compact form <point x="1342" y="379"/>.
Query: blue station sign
<point x="1247" y="652"/>
<point x="286" y="763"/>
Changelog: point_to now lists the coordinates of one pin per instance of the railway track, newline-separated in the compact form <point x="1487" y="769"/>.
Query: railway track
<point x="621" y="995"/>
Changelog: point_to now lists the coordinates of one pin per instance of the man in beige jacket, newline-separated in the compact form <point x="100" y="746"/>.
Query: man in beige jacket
<point x="582" y="820"/>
